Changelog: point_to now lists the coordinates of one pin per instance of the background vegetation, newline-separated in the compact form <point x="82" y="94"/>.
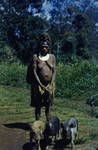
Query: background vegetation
<point x="72" y="78"/>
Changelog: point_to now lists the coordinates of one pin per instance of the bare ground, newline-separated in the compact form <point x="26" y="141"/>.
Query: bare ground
<point x="15" y="136"/>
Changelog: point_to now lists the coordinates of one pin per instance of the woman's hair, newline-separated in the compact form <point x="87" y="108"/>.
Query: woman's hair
<point x="45" y="36"/>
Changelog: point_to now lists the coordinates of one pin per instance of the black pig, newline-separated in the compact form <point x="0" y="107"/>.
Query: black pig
<point x="52" y="128"/>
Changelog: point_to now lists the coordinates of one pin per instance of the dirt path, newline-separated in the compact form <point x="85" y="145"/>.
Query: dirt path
<point x="14" y="137"/>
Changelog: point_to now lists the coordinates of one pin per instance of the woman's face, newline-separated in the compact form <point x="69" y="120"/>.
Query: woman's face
<point x="44" y="50"/>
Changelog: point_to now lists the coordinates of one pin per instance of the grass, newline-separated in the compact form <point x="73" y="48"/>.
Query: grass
<point x="15" y="107"/>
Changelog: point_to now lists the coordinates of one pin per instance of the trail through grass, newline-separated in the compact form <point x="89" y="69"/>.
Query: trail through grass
<point x="15" y="107"/>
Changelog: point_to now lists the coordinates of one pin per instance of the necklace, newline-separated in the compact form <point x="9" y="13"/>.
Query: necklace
<point x="44" y="58"/>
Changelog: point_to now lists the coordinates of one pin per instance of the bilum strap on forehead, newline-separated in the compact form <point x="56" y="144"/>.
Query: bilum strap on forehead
<point x="45" y="44"/>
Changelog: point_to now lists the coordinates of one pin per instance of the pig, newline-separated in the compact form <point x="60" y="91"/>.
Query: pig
<point x="36" y="132"/>
<point x="70" y="131"/>
<point x="52" y="128"/>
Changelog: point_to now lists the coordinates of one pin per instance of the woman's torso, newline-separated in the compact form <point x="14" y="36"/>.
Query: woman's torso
<point x="45" y="70"/>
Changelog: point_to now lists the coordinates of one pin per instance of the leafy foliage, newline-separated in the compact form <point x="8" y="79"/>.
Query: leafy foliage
<point x="12" y="74"/>
<point x="23" y="34"/>
<point x="20" y="27"/>
<point x="79" y="77"/>
<point x="6" y="52"/>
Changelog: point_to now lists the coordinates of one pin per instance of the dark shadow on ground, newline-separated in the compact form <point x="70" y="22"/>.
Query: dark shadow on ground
<point x="29" y="146"/>
<point x="33" y="146"/>
<point x="59" y="144"/>
<point x="81" y="140"/>
<point x="24" y="126"/>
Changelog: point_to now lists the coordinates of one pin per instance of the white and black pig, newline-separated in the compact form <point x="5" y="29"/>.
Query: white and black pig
<point x="70" y="131"/>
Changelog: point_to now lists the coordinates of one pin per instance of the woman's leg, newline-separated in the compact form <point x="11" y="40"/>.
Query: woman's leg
<point x="37" y="112"/>
<point x="47" y="111"/>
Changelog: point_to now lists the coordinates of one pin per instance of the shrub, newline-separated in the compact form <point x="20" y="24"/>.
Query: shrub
<point x="6" y="52"/>
<point x="12" y="74"/>
<point x="79" y="77"/>
<point x="75" y="78"/>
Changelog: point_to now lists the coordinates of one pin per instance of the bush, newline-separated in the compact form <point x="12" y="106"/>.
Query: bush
<point x="75" y="78"/>
<point x="6" y="52"/>
<point x="13" y="74"/>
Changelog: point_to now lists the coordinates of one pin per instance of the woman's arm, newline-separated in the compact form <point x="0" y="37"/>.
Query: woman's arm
<point x="51" y="85"/>
<point x="53" y="69"/>
<point x="35" y="72"/>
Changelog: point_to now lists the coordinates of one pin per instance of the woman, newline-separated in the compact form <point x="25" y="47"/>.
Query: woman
<point x="41" y="76"/>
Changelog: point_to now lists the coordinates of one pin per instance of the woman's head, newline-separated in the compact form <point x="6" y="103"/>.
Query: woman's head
<point x="44" y="48"/>
<point x="44" y="43"/>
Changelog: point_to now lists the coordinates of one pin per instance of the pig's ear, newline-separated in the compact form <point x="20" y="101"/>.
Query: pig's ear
<point x="62" y="125"/>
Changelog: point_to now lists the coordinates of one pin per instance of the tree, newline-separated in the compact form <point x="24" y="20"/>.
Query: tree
<point x="20" y="24"/>
<point x="81" y="27"/>
<point x="20" y="29"/>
